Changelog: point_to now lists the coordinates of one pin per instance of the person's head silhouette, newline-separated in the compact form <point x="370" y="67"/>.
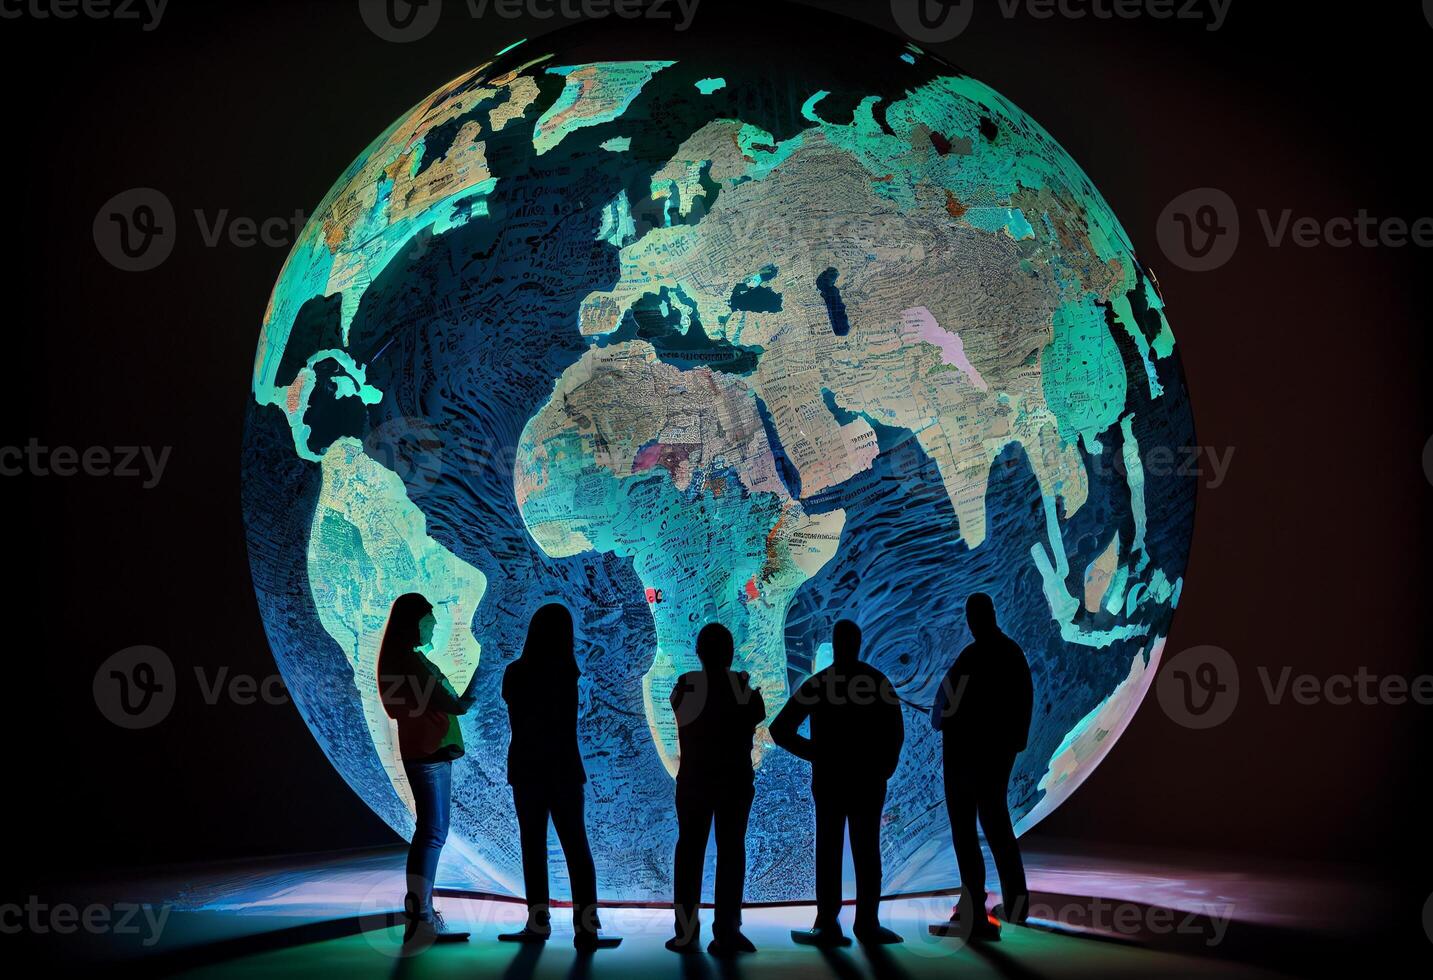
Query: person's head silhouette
<point x="845" y="642"/>
<point x="715" y="648"/>
<point x="410" y="626"/>
<point x="980" y="614"/>
<point x="549" y="644"/>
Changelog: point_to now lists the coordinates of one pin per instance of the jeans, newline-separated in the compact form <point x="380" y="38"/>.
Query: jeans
<point x="535" y="804"/>
<point x="855" y="808"/>
<point x="697" y="807"/>
<point x="432" y="786"/>
<point x="979" y="787"/>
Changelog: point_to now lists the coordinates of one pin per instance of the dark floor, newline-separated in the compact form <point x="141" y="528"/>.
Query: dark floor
<point x="1104" y="914"/>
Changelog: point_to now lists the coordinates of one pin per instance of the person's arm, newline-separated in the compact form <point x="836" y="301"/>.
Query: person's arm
<point x="390" y="690"/>
<point x="438" y="693"/>
<point x="952" y="689"/>
<point x="1027" y="697"/>
<point x="942" y="703"/>
<point x="756" y="708"/>
<point x="894" y="725"/>
<point x="685" y="693"/>
<point x="784" y="727"/>
<point x="751" y="707"/>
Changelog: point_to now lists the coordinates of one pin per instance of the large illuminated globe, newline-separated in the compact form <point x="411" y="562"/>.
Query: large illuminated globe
<point x="765" y="322"/>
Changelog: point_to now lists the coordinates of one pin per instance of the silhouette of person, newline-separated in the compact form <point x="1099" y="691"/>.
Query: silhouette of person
<point x="419" y="698"/>
<point x="717" y="712"/>
<point x="547" y="777"/>
<point x="983" y="713"/>
<point x="855" y="743"/>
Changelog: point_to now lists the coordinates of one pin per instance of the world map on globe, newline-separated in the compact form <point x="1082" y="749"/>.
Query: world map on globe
<point x="678" y="328"/>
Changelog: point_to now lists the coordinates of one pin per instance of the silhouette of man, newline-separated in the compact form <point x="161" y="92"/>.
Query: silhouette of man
<point x="983" y="711"/>
<point x="855" y="743"/>
<point x="717" y="712"/>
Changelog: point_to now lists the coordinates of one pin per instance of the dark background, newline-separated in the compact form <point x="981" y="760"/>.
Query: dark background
<point x="1308" y="362"/>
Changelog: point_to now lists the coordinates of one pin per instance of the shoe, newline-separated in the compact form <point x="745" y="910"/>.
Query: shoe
<point x="443" y="934"/>
<point x="537" y="929"/>
<point x="587" y="941"/>
<point x="729" y="943"/>
<point x="826" y="937"/>
<point x="1020" y="905"/>
<point x="686" y="946"/>
<point x="984" y="929"/>
<point x="987" y="930"/>
<point x="876" y="935"/>
<point x="420" y="933"/>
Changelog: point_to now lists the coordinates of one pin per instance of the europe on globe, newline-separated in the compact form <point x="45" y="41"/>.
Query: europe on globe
<point x="678" y="327"/>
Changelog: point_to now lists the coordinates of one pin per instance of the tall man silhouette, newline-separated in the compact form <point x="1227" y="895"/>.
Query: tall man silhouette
<point x="983" y="710"/>
<point x="855" y="743"/>
<point x="717" y="713"/>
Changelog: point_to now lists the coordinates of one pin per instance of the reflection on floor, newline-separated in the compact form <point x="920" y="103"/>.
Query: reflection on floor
<point x="1092" y="914"/>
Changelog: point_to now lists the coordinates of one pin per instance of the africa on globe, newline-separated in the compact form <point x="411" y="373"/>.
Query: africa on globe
<point x="690" y="327"/>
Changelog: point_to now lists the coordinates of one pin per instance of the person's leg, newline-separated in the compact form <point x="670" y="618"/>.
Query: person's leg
<point x="992" y="796"/>
<point x="694" y="822"/>
<point x="531" y="806"/>
<point x="431" y="784"/>
<point x="733" y="812"/>
<point x="865" y="830"/>
<point x="830" y="834"/>
<point x="567" y="818"/>
<point x="961" y="805"/>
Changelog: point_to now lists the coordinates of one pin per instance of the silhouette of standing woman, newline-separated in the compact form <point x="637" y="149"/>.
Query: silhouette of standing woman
<point x="983" y="711"/>
<point x="547" y="778"/>
<point x="415" y="694"/>
<point x="854" y="747"/>
<point x="717" y="712"/>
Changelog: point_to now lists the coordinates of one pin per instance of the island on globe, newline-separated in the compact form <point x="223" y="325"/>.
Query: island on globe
<point x="715" y="325"/>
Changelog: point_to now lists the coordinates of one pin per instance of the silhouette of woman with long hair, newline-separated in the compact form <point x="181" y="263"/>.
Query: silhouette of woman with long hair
<point x="419" y="698"/>
<point x="547" y="777"/>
